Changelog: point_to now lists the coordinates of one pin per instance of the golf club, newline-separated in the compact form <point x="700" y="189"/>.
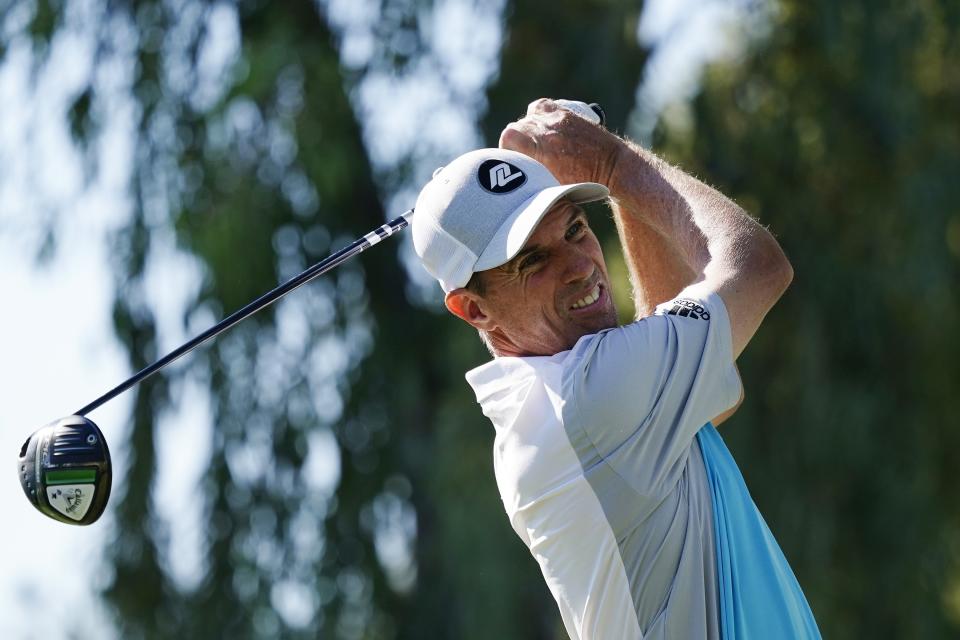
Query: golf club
<point x="64" y="467"/>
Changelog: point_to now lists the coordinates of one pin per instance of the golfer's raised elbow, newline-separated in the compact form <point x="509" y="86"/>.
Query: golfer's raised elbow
<point x="777" y="268"/>
<point x="783" y="270"/>
<point x="787" y="274"/>
<point x="768" y="268"/>
<point x="753" y="285"/>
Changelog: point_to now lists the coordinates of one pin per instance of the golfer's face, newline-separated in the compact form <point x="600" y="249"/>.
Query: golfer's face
<point x="554" y="291"/>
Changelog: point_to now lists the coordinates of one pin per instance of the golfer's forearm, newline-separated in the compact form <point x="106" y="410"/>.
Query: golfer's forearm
<point x="658" y="272"/>
<point x="727" y="249"/>
<point x="706" y="229"/>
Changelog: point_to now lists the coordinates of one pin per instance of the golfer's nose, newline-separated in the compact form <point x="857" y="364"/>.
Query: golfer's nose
<point x="578" y="266"/>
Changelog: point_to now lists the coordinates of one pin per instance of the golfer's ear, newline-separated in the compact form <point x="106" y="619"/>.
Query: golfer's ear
<point x="467" y="306"/>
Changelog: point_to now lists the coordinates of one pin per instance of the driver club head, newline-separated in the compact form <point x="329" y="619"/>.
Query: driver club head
<point x="65" y="470"/>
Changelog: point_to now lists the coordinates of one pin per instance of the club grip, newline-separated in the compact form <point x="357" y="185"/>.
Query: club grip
<point x="592" y="112"/>
<point x="597" y="109"/>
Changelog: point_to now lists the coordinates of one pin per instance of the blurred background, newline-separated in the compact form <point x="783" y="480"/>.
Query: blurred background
<point x="322" y="469"/>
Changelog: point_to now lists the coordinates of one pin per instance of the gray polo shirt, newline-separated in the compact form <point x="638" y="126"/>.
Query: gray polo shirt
<point x="601" y="475"/>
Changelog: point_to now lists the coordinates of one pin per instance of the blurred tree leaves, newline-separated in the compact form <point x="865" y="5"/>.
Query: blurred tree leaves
<point x="260" y="170"/>
<point x="581" y="50"/>
<point x="836" y="126"/>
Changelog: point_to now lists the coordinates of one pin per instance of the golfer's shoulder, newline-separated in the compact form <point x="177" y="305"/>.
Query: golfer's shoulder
<point x="615" y="346"/>
<point x="679" y="331"/>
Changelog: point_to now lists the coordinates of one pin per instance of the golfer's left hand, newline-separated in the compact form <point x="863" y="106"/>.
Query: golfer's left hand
<point x="571" y="147"/>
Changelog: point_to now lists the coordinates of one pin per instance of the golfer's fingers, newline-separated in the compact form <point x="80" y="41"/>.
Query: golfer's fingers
<point x="543" y="105"/>
<point x="520" y="136"/>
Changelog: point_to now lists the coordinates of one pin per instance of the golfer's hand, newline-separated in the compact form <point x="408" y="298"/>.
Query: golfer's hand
<point x="571" y="147"/>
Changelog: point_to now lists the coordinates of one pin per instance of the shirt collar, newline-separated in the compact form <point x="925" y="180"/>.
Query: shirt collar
<point x="502" y="384"/>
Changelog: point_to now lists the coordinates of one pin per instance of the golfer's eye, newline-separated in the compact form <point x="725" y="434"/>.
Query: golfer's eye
<point x="575" y="230"/>
<point x="531" y="260"/>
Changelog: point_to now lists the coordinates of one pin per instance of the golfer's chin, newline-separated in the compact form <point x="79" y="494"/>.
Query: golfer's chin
<point x="595" y="327"/>
<point x="584" y="324"/>
<point x="588" y="326"/>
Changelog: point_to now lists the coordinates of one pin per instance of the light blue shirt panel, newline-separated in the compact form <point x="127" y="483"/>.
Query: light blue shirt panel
<point x="635" y="397"/>
<point x="638" y="394"/>
<point x="760" y="598"/>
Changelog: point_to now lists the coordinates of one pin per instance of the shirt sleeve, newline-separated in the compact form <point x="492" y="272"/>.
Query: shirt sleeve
<point x="635" y="396"/>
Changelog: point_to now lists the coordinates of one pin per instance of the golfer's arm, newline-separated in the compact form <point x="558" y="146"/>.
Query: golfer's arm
<point x="732" y="410"/>
<point x="659" y="276"/>
<point x="720" y="243"/>
<point x="658" y="271"/>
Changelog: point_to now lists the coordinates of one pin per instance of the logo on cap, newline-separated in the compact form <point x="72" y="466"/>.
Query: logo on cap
<point x="497" y="176"/>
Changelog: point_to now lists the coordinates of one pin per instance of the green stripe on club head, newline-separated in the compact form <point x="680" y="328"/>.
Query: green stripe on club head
<point x="71" y="476"/>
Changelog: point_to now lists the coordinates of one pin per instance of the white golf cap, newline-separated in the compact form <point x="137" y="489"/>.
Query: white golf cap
<point x="478" y="211"/>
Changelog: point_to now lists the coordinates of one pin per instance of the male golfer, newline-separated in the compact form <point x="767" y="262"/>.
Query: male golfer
<point x="606" y="459"/>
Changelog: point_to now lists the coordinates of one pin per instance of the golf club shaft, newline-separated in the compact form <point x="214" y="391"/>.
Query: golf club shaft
<point x="335" y="260"/>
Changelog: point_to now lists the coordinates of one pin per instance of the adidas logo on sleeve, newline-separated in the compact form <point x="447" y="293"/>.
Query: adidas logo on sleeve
<point x="689" y="309"/>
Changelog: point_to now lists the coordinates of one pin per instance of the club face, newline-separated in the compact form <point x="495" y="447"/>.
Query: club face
<point x="65" y="470"/>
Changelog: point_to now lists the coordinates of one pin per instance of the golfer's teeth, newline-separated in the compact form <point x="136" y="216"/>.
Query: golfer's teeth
<point x="588" y="299"/>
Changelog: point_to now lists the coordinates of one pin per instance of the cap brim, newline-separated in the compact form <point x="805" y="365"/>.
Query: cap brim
<point x="515" y="231"/>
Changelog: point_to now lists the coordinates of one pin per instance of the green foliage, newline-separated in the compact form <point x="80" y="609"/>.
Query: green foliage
<point x="837" y="127"/>
<point x="588" y="50"/>
<point x="840" y="131"/>
<point x="44" y="23"/>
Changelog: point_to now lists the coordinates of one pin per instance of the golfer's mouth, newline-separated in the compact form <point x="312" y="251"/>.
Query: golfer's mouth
<point x="589" y="301"/>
